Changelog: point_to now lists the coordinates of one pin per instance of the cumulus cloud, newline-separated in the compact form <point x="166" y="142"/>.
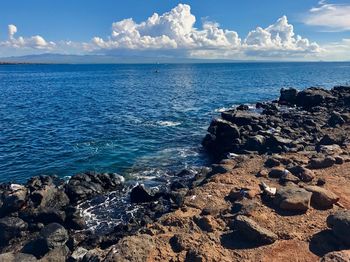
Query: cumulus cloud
<point x="333" y="17"/>
<point x="171" y="30"/>
<point x="33" y="42"/>
<point x="175" y="30"/>
<point x="278" y="39"/>
<point x="174" y="34"/>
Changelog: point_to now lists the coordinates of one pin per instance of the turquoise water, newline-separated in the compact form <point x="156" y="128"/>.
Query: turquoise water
<point x="137" y="120"/>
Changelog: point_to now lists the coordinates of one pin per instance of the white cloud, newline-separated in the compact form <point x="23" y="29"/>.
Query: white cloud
<point x="278" y="39"/>
<point x="174" y="34"/>
<point x="33" y="42"/>
<point x="333" y="17"/>
<point x="175" y="30"/>
<point x="337" y="51"/>
<point x="172" y="30"/>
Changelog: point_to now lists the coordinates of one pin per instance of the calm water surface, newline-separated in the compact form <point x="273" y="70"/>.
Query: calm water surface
<point x="130" y="119"/>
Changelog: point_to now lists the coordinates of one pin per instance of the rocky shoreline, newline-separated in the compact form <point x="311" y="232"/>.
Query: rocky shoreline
<point x="279" y="191"/>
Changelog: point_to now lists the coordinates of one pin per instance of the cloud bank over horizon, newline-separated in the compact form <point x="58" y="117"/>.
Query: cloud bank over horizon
<point x="173" y="34"/>
<point x="329" y="17"/>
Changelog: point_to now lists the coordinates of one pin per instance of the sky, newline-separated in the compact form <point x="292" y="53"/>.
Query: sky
<point x="300" y="30"/>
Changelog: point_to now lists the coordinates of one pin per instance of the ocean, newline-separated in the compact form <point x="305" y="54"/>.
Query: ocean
<point x="142" y="121"/>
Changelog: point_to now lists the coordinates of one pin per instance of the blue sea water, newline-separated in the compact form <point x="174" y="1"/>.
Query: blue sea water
<point x="137" y="120"/>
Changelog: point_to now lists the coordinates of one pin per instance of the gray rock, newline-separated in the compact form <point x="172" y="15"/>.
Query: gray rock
<point x="43" y="215"/>
<point x="272" y="162"/>
<point x="52" y="236"/>
<point x="293" y="198"/>
<point x="17" y="257"/>
<point x="84" y="186"/>
<point x="252" y="231"/>
<point x="289" y="177"/>
<point x="312" y="97"/>
<point x="11" y="227"/>
<point x="58" y="254"/>
<point x="50" y="197"/>
<point x="319" y="163"/>
<point x="335" y="120"/>
<point x="255" y="143"/>
<point x="78" y="254"/>
<point x="74" y="219"/>
<point x="14" y="198"/>
<point x="303" y="173"/>
<point x="339" y="222"/>
<point x="278" y="172"/>
<point x="288" y="96"/>
<point x="55" y="235"/>
<point x="241" y="118"/>
<point x="225" y="129"/>
<point x="330" y="149"/>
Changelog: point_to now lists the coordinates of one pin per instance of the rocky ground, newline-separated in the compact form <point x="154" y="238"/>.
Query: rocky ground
<point x="279" y="191"/>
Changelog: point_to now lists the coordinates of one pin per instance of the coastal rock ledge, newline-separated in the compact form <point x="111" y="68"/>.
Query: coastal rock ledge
<point x="278" y="190"/>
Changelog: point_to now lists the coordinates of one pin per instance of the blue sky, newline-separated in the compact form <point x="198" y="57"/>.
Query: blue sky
<point x="85" y="26"/>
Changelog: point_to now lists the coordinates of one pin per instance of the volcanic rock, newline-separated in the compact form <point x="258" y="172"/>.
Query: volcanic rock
<point x="293" y="198"/>
<point x="321" y="197"/>
<point x="249" y="229"/>
<point x="11" y="227"/>
<point x="139" y="194"/>
<point x="288" y="96"/>
<point x="339" y="222"/>
<point x="84" y="186"/>
<point x="319" y="163"/>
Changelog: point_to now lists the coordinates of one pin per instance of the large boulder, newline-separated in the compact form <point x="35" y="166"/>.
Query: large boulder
<point x="51" y="237"/>
<point x="292" y="198"/>
<point x="303" y="173"/>
<point x="249" y="229"/>
<point x="222" y="138"/>
<point x="11" y="227"/>
<point x="43" y="215"/>
<point x="14" y="198"/>
<point x="224" y="129"/>
<point x="256" y="143"/>
<point x="74" y="219"/>
<point x="321" y="162"/>
<point x="139" y="194"/>
<point x="339" y="222"/>
<point x="312" y="97"/>
<point x="49" y="197"/>
<point x="84" y="186"/>
<point x="55" y="235"/>
<point x="288" y="96"/>
<point x="321" y="197"/>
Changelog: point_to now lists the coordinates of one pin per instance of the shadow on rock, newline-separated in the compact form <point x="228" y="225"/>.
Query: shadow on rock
<point x="324" y="242"/>
<point x="234" y="240"/>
